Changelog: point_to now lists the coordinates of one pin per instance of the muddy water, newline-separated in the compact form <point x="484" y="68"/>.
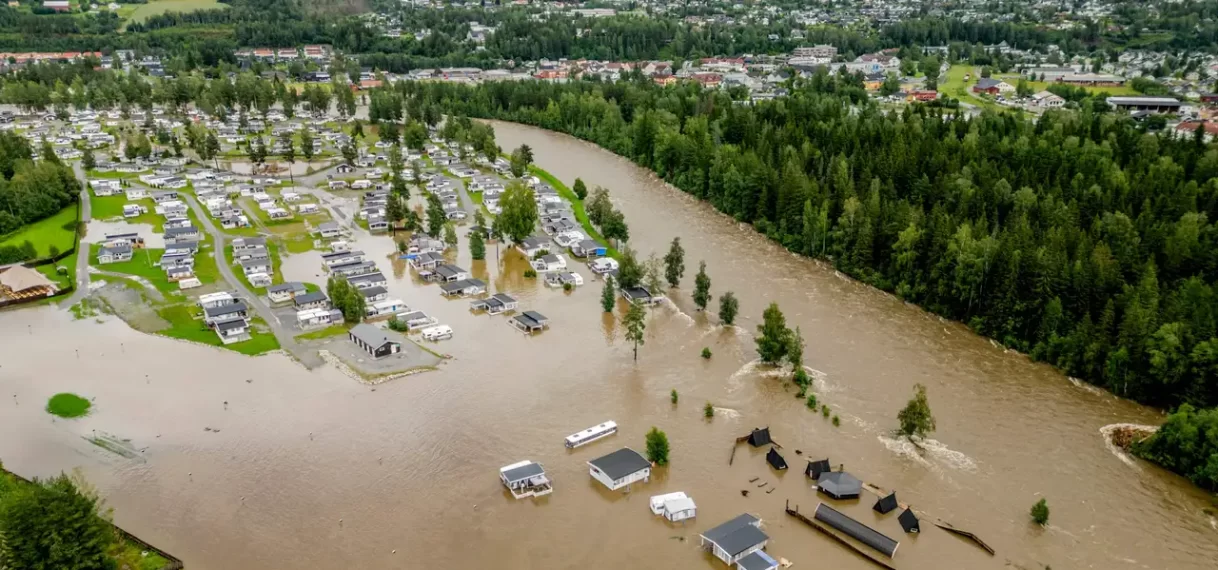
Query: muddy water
<point x="313" y="470"/>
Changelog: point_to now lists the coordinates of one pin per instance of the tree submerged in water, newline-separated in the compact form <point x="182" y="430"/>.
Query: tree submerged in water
<point x="915" y="418"/>
<point x="1040" y="512"/>
<point x="657" y="447"/>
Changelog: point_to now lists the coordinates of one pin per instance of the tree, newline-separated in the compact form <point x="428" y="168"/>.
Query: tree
<point x="1040" y="512"/>
<point x="288" y="152"/>
<point x="615" y="228"/>
<point x="652" y="278"/>
<point x="630" y="271"/>
<point x="53" y="524"/>
<point x="607" y="296"/>
<point x="519" y="161"/>
<point x="581" y="191"/>
<point x="773" y="336"/>
<point x="674" y="263"/>
<point x="477" y="245"/>
<point x="708" y="410"/>
<point x="891" y="85"/>
<point x="915" y="418"/>
<point x="702" y="284"/>
<point x="87" y="161"/>
<point x="306" y="144"/>
<point x="450" y="235"/>
<point x="518" y="211"/>
<point x="347" y="299"/>
<point x="795" y="350"/>
<point x="657" y="444"/>
<point x="349" y="154"/>
<point x="436" y="218"/>
<point x="212" y="144"/>
<point x="728" y="307"/>
<point x="635" y="322"/>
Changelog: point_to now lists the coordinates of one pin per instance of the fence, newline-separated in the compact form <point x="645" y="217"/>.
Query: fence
<point x="174" y="562"/>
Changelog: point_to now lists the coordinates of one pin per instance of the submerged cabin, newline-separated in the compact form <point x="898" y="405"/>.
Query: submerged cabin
<point x="839" y="485"/>
<point x="758" y="560"/>
<point x="760" y="437"/>
<point x="735" y="539"/>
<point x="886" y="504"/>
<point x="495" y="304"/>
<point x="530" y="321"/>
<point x="856" y="530"/>
<point x="673" y="506"/>
<point x="525" y="479"/>
<point x="620" y="468"/>
<point x="374" y="341"/>
<point x="815" y="468"/>
<point x="775" y="460"/>
<point x="909" y="521"/>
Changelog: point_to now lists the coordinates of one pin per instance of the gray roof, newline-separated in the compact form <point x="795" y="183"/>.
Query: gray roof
<point x="342" y="254"/>
<point x="115" y="249"/>
<point x="449" y="270"/>
<point x="369" y="335"/>
<point x="310" y="298"/>
<point x="255" y="263"/>
<point x="373" y="291"/>
<point x="373" y="277"/>
<point x="181" y="231"/>
<point x="621" y="463"/>
<point x="856" y="529"/>
<point x="232" y="324"/>
<point x="226" y="309"/>
<point x="839" y="484"/>
<point x="251" y="241"/>
<point x="758" y="560"/>
<point x="523" y="472"/>
<point x="737" y="535"/>
<point x="289" y="286"/>
<point x="987" y="82"/>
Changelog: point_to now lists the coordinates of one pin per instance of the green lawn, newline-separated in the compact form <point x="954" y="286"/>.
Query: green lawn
<point x="112" y="175"/>
<point x="298" y="243"/>
<point x="577" y="205"/>
<point x="332" y="330"/>
<point x="144" y="263"/>
<point x="183" y="325"/>
<point x="1038" y="86"/>
<point x="273" y="253"/>
<point x="205" y="266"/>
<point x="66" y="280"/>
<point x="956" y="87"/>
<point x="67" y="405"/>
<point x="158" y="7"/>
<point x="47" y="232"/>
<point x="111" y="207"/>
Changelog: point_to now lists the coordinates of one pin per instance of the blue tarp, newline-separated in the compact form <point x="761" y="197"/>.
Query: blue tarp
<point x="408" y="256"/>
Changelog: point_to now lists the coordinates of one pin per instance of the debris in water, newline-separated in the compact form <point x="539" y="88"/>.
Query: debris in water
<point x="763" y="484"/>
<point x="744" y="492"/>
<point x="679" y="538"/>
<point x="771" y="490"/>
<point x="799" y="452"/>
<point x="754" y="479"/>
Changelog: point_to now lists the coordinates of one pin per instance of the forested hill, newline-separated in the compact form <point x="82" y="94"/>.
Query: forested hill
<point x="1077" y="237"/>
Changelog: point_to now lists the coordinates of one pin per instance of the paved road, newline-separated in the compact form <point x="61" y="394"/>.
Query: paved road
<point x="82" y="253"/>
<point x="283" y="333"/>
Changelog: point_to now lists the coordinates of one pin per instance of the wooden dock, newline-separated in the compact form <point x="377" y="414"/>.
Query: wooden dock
<point x="837" y="537"/>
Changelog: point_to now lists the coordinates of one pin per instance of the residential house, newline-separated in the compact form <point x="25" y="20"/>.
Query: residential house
<point x="175" y="235"/>
<point x="991" y="86"/>
<point x="329" y="230"/>
<point x="245" y="243"/>
<point x="232" y="330"/>
<point x="105" y="187"/>
<point x="132" y="239"/>
<point x="463" y="288"/>
<point x="620" y="468"/>
<point x="114" y="253"/>
<point x="212" y="300"/>
<point x="333" y="259"/>
<point x="495" y="304"/>
<point x="1048" y="100"/>
<point x="314" y="300"/>
<point x="588" y="248"/>
<point x="368" y="280"/>
<point x="426" y="260"/>
<point x="530" y="322"/>
<point x="285" y="292"/>
<point x="550" y="262"/>
<point x="179" y="272"/>
<point x="218" y="313"/>
<point x="133" y="210"/>
<point x="533" y="245"/>
<point x="448" y="273"/>
<point x="252" y="266"/>
<point x="374" y="294"/>
<point x="735" y="539"/>
<point x="353" y="269"/>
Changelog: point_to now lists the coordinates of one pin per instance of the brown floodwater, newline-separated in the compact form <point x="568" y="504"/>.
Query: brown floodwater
<point x="310" y="469"/>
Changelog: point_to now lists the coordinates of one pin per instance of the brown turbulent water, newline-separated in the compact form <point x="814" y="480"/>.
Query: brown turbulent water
<point x="314" y="470"/>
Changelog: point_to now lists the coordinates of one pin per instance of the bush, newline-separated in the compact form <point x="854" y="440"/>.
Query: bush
<point x="708" y="410"/>
<point x="397" y="324"/>
<point x="674" y="395"/>
<point x="530" y="274"/>
<point x="1040" y="512"/>
<point x="801" y="378"/>
<point x="657" y="447"/>
<point x="567" y="286"/>
<point x="812" y="402"/>
<point x="706" y="352"/>
<point x="824" y="410"/>
<point x="836" y="421"/>
<point x="67" y="405"/>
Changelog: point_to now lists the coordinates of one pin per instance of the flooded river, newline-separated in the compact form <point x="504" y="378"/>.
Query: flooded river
<point x="310" y="469"/>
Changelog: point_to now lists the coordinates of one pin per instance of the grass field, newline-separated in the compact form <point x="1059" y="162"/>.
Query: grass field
<point x="46" y="232"/>
<point x="143" y="264"/>
<point x="1038" y="86"/>
<point x="183" y="325"/>
<point x="957" y="87"/>
<point x="157" y="7"/>
<point x="577" y="205"/>
<point x="111" y="207"/>
<point x="332" y="330"/>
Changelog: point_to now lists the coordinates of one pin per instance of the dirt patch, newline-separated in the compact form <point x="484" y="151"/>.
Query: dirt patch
<point x="126" y="300"/>
<point x="1126" y="436"/>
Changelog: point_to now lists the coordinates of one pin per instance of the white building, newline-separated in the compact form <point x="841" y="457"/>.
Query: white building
<point x="620" y="468"/>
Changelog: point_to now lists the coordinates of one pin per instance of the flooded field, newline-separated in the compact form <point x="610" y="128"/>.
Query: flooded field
<point x="258" y="463"/>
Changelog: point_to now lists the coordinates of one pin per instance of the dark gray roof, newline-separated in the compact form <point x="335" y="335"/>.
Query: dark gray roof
<point x="540" y="318"/>
<point x="737" y="535"/>
<point x="886" y="504"/>
<point x="342" y="254"/>
<point x="181" y="231"/>
<point x="370" y="277"/>
<point x="252" y="241"/>
<point x="503" y="298"/>
<point x="986" y="83"/>
<point x="370" y="335"/>
<point x="373" y="291"/>
<point x="815" y="468"/>
<point x="760" y="437"/>
<point x="775" y="460"/>
<point x="449" y="270"/>
<point x="523" y="472"/>
<point x="909" y="521"/>
<point x="839" y="485"/>
<point x="621" y="463"/>
<point x="229" y="325"/>
<point x="289" y="286"/>
<point x="856" y="530"/>
<point x="226" y="309"/>
<point x="307" y="298"/>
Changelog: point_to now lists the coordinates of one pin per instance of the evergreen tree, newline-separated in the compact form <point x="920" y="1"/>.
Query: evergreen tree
<point x="635" y="322"/>
<point x="630" y="271"/>
<point x="518" y="215"/>
<point x="349" y="154"/>
<point x="728" y="306"/>
<point x="795" y="349"/>
<point x="87" y="161"/>
<point x="436" y="218"/>
<point x="773" y="336"/>
<point x="53" y="524"/>
<point x="674" y="263"/>
<point x="607" y="296"/>
<point x="702" y="284"/>
<point x="477" y="245"/>
<point x="581" y="191"/>
<point x="450" y="235"/>
<point x="306" y="144"/>
<point x="288" y="152"/>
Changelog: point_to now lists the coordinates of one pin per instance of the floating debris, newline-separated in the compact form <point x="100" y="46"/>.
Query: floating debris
<point x="744" y="492"/>
<point x="754" y="479"/>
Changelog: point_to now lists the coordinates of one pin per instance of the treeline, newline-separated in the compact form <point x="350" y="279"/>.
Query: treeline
<point x="1186" y="443"/>
<point x="30" y="191"/>
<point x="1076" y="238"/>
